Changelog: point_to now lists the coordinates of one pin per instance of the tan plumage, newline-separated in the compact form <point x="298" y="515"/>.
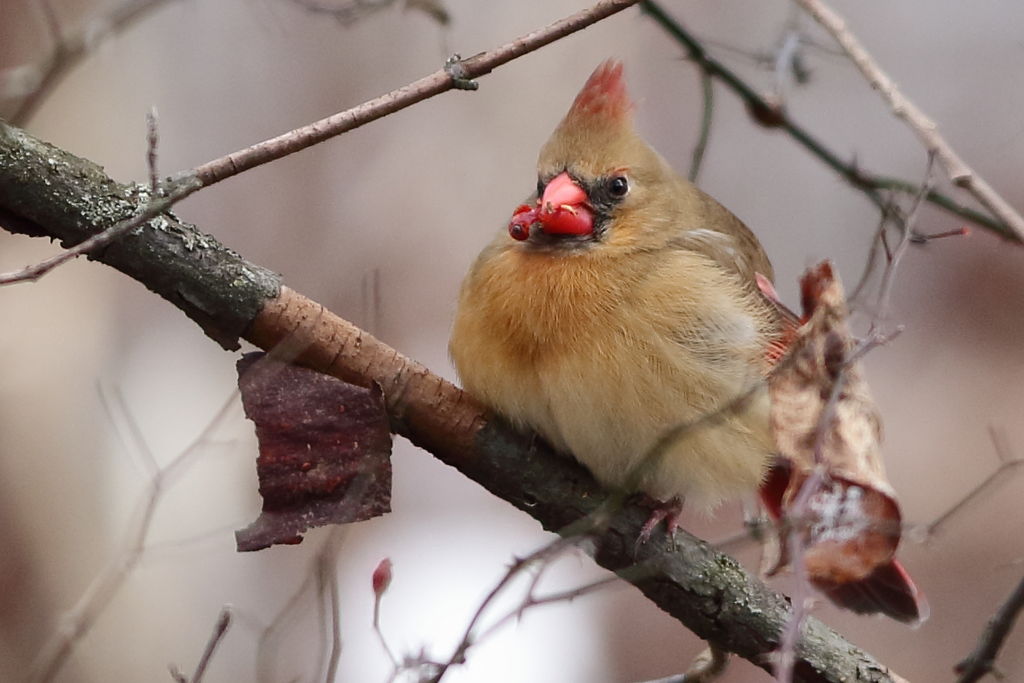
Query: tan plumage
<point x="602" y="342"/>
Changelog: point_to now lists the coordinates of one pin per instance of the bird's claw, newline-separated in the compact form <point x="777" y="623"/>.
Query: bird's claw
<point x="669" y="511"/>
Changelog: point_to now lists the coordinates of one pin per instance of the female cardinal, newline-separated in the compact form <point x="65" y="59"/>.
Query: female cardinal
<point x="630" y="319"/>
<point x="619" y="305"/>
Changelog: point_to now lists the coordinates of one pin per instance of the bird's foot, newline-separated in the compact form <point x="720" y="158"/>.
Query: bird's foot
<point x="669" y="510"/>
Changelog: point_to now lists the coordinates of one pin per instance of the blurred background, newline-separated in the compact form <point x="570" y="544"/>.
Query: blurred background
<point x="402" y="206"/>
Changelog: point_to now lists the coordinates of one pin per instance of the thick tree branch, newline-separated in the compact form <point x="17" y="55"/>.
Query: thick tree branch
<point x="457" y="73"/>
<point x="98" y="241"/>
<point x="47" y="191"/>
<point x="69" y="199"/>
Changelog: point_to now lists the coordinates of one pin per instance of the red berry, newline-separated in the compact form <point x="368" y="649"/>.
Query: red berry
<point x="563" y="220"/>
<point x="522" y="218"/>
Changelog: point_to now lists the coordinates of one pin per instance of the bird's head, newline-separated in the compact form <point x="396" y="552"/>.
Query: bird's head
<point x="593" y="173"/>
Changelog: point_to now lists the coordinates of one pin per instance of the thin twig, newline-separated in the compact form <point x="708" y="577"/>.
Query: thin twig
<point x="765" y="110"/>
<point x="346" y="13"/>
<point x="877" y="244"/>
<point x="787" y="59"/>
<point x="189" y="182"/>
<point x="321" y="582"/>
<point x="708" y="98"/>
<point x="219" y="630"/>
<point x="1006" y="463"/>
<point x="70" y="49"/>
<point x="895" y="257"/>
<point x="802" y="595"/>
<point x="1001" y="442"/>
<point x="148" y="212"/>
<point x="378" y="596"/>
<point x="53" y="26"/>
<point x="79" y="620"/>
<point x="768" y="59"/>
<point x="436" y="83"/>
<point x="959" y="172"/>
<point x="265" y="654"/>
<point x="569" y="536"/>
<point x="132" y="441"/>
<point x="151" y="148"/>
<point x="543" y="554"/>
<point x="982" y="659"/>
<point x="327" y="568"/>
<point x="531" y="600"/>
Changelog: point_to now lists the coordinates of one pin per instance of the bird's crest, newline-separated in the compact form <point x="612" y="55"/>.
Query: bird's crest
<point x="603" y="95"/>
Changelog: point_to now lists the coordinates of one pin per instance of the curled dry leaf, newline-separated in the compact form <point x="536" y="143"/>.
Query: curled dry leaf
<point x="324" y="450"/>
<point x="828" y="433"/>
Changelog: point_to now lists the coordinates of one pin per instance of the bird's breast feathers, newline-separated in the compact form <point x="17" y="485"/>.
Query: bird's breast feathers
<point x="602" y="354"/>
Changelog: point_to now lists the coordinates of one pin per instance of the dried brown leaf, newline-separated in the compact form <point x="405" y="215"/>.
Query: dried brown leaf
<point x="824" y="420"/>
<point x="324" y="450"/>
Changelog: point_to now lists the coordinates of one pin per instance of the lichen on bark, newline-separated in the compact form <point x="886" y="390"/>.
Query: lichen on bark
<point x="71" y="199"/>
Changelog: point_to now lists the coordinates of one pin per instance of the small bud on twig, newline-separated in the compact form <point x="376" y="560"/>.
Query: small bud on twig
<point x="382" y="577"/>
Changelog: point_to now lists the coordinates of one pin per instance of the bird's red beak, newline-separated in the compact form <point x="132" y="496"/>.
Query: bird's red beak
<point x="563" y="209"/>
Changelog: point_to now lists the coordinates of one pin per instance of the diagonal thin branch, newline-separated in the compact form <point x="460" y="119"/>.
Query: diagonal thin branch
<point x="220" y="628"/>
<point x="769" y="113"/>
<point x="456" y="74"/>
<point x="101" y="239"/>
<point x="959" y="172"/>
<point x="436" y="83"/>
<point x="707" y="87"/>
<point x="470" y="637"/>
<point x="348" y="13"/>
<point x="327" y="572"/>
<point x="1008" y="464"/>
<point x="78" y="621"/>
<point x="982" y="660"/>
<point x="154" y="208"/>
<point x="70" y="49"/>
<point x="894" y="258"/>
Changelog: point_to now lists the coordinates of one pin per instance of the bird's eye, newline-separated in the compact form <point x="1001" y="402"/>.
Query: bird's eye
<point x="618" y="186"/>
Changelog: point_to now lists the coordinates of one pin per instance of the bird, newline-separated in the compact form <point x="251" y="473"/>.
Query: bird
<point x="618" y="316"/>
<point x="630" y="320"/>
